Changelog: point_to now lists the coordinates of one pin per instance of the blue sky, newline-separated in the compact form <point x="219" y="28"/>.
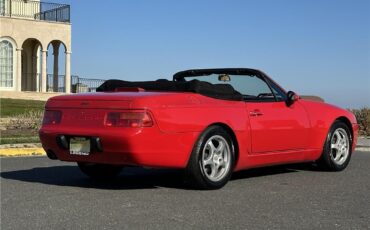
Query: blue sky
<point x="311" y="47"/>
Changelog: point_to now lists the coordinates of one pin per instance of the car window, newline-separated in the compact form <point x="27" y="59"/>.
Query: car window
<point x="279" y="94"/>
<point x="252" y="87"/>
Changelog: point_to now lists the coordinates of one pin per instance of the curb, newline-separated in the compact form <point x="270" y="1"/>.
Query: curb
<point x="21" y="152"/>
<point x="24" y="152"/>
<point x="363" y="149"/>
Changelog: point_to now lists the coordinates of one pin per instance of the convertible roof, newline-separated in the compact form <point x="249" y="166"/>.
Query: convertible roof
<point x="179" y="84"/>
<point x="179" y="76"/>
<point x="218" y="91"/>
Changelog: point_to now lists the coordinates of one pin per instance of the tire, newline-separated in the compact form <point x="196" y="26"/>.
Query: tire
<point x="337" y="148"/>
<point x="99" y="171"/>
<point x="212" y="160"/>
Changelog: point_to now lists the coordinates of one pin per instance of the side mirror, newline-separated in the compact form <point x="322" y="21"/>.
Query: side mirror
<point x="291" y="98"/>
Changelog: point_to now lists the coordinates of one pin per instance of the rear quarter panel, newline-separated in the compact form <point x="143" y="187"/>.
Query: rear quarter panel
<point x="181" y="117"/>
<point x="194" y="112"/>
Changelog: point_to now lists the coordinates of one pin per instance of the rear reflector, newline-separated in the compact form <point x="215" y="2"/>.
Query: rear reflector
<point x="52" y="117"/>
<point x="134" y="119"/>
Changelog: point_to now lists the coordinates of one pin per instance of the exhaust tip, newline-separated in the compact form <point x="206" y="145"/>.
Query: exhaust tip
<point x="51" y="155"/>
<point x="96" y="144"/>
<point x="62" y="142"/>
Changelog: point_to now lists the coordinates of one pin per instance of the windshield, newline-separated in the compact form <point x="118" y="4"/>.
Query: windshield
<point x="251" y="86"/>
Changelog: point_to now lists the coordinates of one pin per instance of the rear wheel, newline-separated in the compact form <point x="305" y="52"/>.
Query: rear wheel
<point x="99" y="171"/>
<point x="212" y="160"/>
<point x="337" y="149"/>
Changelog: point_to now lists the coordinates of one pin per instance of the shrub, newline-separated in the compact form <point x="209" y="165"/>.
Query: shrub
<point x="363" y="119"/>
<point x="29" y="120"/>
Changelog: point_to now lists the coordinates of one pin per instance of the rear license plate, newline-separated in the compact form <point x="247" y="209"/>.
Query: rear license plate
<point x="79" y="146"/>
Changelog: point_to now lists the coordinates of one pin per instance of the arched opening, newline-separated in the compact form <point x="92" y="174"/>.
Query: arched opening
<point x="56" y="67"/>
<point x="7" y="63"/>
<point x="31" y="65"/>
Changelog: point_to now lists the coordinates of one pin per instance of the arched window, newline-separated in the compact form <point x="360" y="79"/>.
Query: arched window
<point x="6" y="64"/>
<point x="2" y="7"/>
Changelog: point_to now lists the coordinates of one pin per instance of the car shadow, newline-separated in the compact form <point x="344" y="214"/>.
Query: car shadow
<point x="133" y="177"/>
<point x="130" y="178"/>
<point x="274" y="170"/>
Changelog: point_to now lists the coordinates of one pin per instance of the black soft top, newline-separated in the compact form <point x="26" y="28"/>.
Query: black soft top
<point x="218" y="91"/>
<point x="179" y="84"/>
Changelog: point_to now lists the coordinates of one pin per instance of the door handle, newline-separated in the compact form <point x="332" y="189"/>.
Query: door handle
<point x="255" y="113"/>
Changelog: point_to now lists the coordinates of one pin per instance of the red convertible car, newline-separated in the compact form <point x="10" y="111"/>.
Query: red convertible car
<point x="210" y="122"/>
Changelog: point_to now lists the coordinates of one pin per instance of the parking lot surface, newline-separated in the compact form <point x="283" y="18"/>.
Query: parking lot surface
<point x="37" y="193"/>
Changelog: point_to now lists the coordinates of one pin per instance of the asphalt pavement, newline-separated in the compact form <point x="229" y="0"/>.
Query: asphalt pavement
<point x="37" y="193"/>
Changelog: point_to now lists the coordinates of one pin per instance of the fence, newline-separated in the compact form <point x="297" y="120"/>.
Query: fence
<point x="51" y="87"/>
<point x="84" y="85"/>
<point x="36" y="10"/>
<point x="78" y="84"/>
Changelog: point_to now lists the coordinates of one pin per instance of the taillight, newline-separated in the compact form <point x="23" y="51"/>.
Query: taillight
<point x="134" y="119"/>
<point x="52" y="117"/>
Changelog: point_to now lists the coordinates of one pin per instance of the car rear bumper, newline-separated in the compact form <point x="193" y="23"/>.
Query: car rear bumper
<point x="124" y="146"/>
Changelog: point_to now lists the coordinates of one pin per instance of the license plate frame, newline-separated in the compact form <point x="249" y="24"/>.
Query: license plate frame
<point x="80" y="146"/>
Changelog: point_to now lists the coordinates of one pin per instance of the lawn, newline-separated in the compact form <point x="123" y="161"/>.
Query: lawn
<point x="26" y="116"/>
<point x="27" y="138"/>
<point x="12" y="107"/>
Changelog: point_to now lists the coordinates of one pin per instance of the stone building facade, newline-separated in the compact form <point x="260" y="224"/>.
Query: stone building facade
<point x="28" y="29"/>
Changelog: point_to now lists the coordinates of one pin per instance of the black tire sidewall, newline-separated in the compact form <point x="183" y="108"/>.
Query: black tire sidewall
<point x="326" y="157"/>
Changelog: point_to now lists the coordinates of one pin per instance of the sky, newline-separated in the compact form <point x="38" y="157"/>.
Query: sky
<point x="313" y="47"/>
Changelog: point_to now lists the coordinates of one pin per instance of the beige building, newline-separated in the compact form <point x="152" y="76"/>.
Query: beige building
<point x="28" y="29"/>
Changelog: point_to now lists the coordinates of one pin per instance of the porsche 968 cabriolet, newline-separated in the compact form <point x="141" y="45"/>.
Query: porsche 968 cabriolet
<point x="209" y="122"/>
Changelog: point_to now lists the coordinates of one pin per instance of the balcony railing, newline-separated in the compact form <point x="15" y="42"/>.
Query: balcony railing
<point x="51" y="87"/>
<point x="78" y="84"/>
<point x="43" y="11"/>
<point x="84" y="85"/>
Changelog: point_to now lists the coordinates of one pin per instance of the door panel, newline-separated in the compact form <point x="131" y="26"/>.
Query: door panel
<point x="276" y="127"/>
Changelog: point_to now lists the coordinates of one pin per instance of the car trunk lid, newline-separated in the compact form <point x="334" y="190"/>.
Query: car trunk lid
<point x="91" y="101"/>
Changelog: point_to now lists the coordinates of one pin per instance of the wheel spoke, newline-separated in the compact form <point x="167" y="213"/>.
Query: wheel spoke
<point x="220" y="169"/>
<point x="213" y="170"/>
<point x="337" y="141"/>
<point x="338" y="137"/>
<point x="223" y="163"/>
<point x="220" y="147"/>
<point x="212" y="146"/>
<point x="338" y="155"/>
<point x="208" y="161"/>
<point x="335" y="146"/>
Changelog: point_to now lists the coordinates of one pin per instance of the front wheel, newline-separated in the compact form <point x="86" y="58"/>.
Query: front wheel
<point x="212" y="160"/>
<point x="337" y="149"/>
<point x="99" y="171"/>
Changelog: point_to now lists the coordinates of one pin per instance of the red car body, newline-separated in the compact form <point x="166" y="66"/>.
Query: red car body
<point x="264" y="133"/>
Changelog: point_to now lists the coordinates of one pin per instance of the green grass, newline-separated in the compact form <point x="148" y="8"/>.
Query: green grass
<point x="12" y="107"/>
<point x="16" y="136"/>
<point x="19" y="140"/>
<point x="17" y="108"/>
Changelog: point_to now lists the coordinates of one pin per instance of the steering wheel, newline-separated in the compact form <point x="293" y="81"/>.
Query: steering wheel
<point x="262" y="95"/>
